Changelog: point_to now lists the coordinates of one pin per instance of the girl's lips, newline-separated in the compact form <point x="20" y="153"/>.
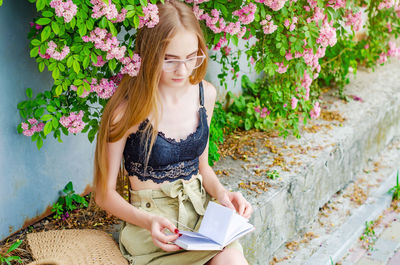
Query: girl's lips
<point x="178" y="79"/>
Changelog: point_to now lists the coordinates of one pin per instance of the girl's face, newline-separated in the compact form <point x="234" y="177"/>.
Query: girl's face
<point x="182" y="46"/>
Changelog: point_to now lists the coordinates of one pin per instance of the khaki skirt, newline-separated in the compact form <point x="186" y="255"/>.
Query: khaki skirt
<point x="183" y="203"/>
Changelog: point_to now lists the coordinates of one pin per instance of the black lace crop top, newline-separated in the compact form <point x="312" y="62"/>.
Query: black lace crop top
<point x="169" y="160"/>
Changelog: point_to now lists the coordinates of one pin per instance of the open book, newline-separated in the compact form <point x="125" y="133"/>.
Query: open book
<point x="220" y="226"/>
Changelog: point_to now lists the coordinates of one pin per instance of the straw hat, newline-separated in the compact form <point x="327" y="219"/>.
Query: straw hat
<point x="74" y="247"/>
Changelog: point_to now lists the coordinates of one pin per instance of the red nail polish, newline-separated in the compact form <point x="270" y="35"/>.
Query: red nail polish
<point x="180" y="234"/>
<point x="176" y="231"/>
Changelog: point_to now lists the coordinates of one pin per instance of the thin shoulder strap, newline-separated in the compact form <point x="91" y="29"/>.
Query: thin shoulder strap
<point x="201" y="90"/>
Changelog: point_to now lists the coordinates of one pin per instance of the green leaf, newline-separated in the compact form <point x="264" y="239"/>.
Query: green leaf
<point x="41" y="66"/>
<point x="136" y="21"/>
<point x="82" y="30"/>
<point x="72" y="23"/>
<point x="43" y="21"/>
<point x="47" y="13"/>
<point x="46" y="117"/>
<point x="55" y="27"/>
<point x="112" y="64"/>
<point x="235" y="40"/>
<point x="56" y="73"/>
<point x="40" y="4"/>
<point x="143" y="2"/>
<point x="55" y="123"/>
<point x="112" y="28"/>
<point x="50" y="108"/>
<point x="130" y="14"/>
<point x="69" y="187"/>
<point x="35" y="42"/>
<point x="92" y="134"/>
<point x="43" y="48"/>
<point x="29" y="92"/>
<point x="45" y="33"/>
<point x="47" y="128"/>
<point x="61" y="66"/>
<point x="14" y="245"/>
<point x="93" y="56"/>
<point x="103" y="23"/>
<point x="76" y="66"/>
<point x="86" y="62"/>
<point x="89" y="24"/>
<point x="80" y="90"/>
<point x="38" y="112"/>
<point x="70" y="61"/>
<point x="34" y="52"/>
<point x="58" y="90"/>
<point x="39" y="143"/>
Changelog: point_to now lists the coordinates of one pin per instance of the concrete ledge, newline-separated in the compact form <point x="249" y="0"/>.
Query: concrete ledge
<point x="332" y="159"/>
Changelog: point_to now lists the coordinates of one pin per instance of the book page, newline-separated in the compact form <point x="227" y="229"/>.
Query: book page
<point x="195" y="241"/>
<point x="216" y="222"/>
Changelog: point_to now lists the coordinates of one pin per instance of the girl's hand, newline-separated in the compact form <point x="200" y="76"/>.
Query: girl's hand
<point x="235" y="201"/>
<point x="160" y="239"/>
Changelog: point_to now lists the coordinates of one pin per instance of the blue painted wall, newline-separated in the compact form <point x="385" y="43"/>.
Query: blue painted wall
<point x="30" y="179"/>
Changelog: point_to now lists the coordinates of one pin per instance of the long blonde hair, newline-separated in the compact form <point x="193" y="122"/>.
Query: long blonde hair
<point x="140" y="93"/>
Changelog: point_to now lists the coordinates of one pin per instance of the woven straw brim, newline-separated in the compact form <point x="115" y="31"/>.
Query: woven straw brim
<point x="74" y="247"/>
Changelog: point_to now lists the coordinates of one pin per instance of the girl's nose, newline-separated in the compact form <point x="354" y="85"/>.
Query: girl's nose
<point x="181" y="70"/>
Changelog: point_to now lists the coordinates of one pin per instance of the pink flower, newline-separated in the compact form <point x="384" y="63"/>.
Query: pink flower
<point x="105" y="89"/>
<point x="100" y="8"/>
<point x="31" y="127"/>
<point x="246" y="13"/>
<point x="59" y="56"/>
<point x="336" y="4"/>
<point x="252" y="60"/>
<point x="286" y="23"/>
<point x="386" y="4"/>
<point x="282" y="69"/>
<point x="222" y="41"/>
<point x="293" y="102"/>
<point x="73" y="122"/>
<point x="397" y="9"/>
<point x="100" y="61"/>
<point x="314" y="113"/>
<point x="131" y="65"/>
<point x="382" y="58"/>
<point x="257" y="109"/>
<point x="67" y="9"/>
<point x="327" y="35"/>
<point x="268" y="26"/>
<point x="150" y="18"/>
<point x="273" y="4"/>
<point x="354" y="20"/>
<point x="389" y="26"/>
<point x="288" y="56"/>
<point x="85" y="92"/>
<point x="227" y="50"/>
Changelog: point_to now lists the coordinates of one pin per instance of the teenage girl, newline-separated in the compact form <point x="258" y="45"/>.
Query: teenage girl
<point x="157" y="125"/>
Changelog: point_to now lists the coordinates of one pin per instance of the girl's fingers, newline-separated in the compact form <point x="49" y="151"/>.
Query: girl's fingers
<point x="248" y="211"/>
<point x="166" y="247"/>
<point x="163" y="238"/>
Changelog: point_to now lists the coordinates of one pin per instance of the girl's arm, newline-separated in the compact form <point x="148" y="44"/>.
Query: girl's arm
<point x="114" y="204"/>
<point x="211" y="183"/>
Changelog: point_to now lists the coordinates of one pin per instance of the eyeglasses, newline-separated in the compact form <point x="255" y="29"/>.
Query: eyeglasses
<point x="191" y="63"/>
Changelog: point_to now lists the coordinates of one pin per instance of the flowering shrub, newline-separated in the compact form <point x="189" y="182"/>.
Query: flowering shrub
<point x="299" y="45"/>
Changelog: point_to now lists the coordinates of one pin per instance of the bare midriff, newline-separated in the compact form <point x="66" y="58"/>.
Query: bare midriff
<point x="137" y="184"/>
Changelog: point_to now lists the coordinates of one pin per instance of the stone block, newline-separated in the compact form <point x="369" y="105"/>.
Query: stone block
<point x="289" y="205"/>
<point x="392" y="232"/>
